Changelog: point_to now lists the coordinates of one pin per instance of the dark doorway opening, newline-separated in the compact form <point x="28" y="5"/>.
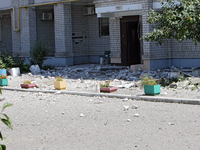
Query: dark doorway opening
<point x="130" y="43"/>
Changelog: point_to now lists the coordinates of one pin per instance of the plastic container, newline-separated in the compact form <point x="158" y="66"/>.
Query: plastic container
<point x="152" y="89"/>
<point x="3" y="82"/>
<point x="15" y="72"/>
<point x="3" y="71"/>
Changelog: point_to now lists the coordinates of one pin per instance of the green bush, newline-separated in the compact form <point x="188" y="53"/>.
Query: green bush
<point x="38" y="53"/>
<point x="8" y="62"/>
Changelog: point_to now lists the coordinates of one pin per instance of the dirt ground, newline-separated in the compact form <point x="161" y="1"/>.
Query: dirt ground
<point x="71" y="122"/>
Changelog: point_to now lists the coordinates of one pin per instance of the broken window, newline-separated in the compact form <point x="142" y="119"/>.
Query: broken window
<point x="103" y="27"/>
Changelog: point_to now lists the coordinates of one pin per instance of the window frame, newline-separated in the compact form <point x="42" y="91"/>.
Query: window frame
<point x="104" y="24"/>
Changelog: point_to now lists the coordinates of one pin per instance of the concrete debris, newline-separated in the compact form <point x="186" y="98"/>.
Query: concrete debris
<point x="163" y="93"/>
<point x="195" y="80"/>
<point x="86" y="78"/>
<point x="58" y="92"/>
<point x="174" y="85"/>
<point x="134" y="106"/>
<point x="190" y="87"/>
<point x="39" y="94"/>
<point x="171" y="123"/>
<point x="125" y="100"/>
<point x="126" y="85"/>
<point x="180" y="72"/>
<point x="82" y="115"/>
<point x="126" y="108"/>
<point x="136" y="115"/>
<point x="182" y="84"/>
<point x="128" y="120"/>
<point x="90" y="100"/>
<point x="196" y="72"/>
<point x="35" y="69"/>
<point x="100" y="102"/>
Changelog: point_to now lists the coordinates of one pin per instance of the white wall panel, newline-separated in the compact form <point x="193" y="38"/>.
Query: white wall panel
<point x="5" y="4"/>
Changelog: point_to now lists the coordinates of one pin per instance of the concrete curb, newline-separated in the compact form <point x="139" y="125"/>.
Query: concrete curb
<point x="112" y="95"/>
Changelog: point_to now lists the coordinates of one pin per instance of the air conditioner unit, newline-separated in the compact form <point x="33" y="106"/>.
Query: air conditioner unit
<point x="88" y="11"/>
<point x="47" y="16"/>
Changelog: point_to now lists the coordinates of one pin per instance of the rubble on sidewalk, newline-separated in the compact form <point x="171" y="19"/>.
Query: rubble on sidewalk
<point x="86" y="78"/>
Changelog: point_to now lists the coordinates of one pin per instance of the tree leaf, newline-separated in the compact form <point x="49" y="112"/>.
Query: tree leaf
<point x="8" y="123"/>
<point x="6" y="105"/>
<point x="1" y="137"/>
<point x="2" y="147"/>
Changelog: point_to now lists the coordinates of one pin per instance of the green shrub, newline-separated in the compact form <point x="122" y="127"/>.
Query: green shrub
<point x="8" y="61"/>
<point x="38" y="53"/>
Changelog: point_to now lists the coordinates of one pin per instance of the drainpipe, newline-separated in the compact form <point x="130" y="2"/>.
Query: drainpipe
<point x="52" y="3"/>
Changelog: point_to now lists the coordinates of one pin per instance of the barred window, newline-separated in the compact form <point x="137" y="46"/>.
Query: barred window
<point x="103" y="27"/>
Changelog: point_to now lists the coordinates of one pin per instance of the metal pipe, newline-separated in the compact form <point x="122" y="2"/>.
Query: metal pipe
<point x="52" y="3"/>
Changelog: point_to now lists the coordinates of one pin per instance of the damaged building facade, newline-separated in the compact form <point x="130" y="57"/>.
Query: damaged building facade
<point x="79" y="32"/>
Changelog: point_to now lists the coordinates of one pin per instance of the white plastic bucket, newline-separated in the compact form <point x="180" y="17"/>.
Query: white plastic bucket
<point x="101" y="61"/>
<point x="15" y="72"/>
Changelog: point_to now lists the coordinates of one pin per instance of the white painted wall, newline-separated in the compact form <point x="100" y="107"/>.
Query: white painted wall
<point x="5" y="4"/>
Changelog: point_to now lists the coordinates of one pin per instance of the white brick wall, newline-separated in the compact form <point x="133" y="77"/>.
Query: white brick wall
<point x="63" y="30"/>
<point x="115" y="39"/>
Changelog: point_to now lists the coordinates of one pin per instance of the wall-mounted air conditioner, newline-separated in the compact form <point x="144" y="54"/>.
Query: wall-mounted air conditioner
<point x="88" y="11"/>
<point x="47" y="16"/>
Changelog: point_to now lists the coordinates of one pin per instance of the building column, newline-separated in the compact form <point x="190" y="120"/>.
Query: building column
<point x="115" y="40"/>
<point x="23" y="39"/>
<point x="63" y="30"/>
<point x="146" y="27"/>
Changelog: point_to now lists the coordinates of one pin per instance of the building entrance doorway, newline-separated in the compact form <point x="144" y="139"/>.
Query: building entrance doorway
<point x="130" y="43"/>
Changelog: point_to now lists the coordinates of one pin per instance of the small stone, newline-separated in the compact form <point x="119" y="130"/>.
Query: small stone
<point x="125" y="100"/>
<point x="39" y="94"/>
<point x="82" y="81"/>
<point x="126" y="108"/>
<point x="136" y="115"/>
<point x="82" y="115"/>
<point x="128" y="120"/>
<point x="58" y="92"/>
<point x="90" y="100"/>
<point x="173" y="85"/>
<point x="170" y="123"/>
<point x="163" y="93"/>
<point x="134" y="106"/>
<point x="100" y="102"/>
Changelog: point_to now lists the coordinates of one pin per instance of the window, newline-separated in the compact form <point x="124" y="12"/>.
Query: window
<point x="104" y="27"/>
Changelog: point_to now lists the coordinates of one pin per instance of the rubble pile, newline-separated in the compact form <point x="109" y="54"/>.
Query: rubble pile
<point x="98" y="72"/>
<point x="86" y="78"/>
